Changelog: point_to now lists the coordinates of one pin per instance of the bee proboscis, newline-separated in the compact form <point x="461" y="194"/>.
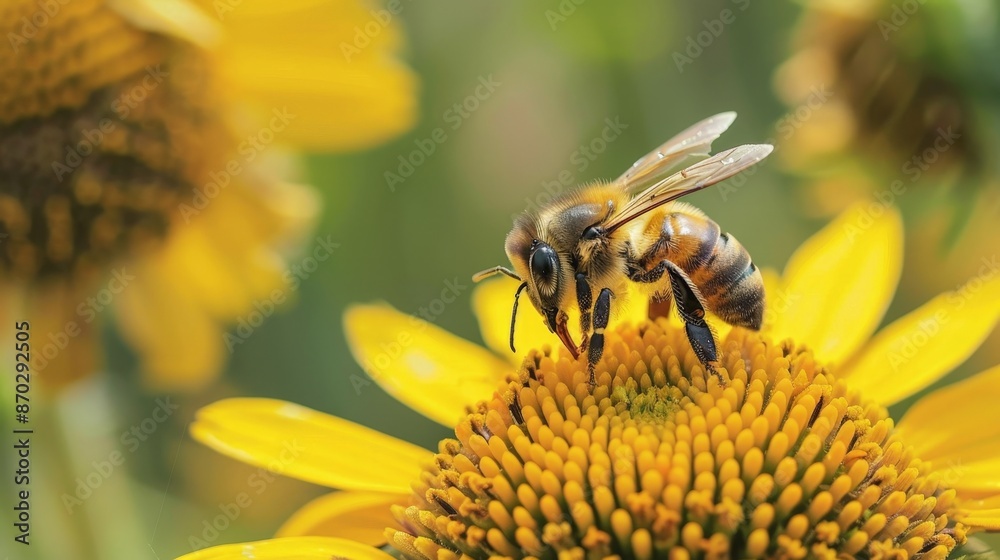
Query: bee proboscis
<point x="598" y="238"/>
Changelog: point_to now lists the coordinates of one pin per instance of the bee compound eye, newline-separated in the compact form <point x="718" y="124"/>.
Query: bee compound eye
<point x="543" y="263"/>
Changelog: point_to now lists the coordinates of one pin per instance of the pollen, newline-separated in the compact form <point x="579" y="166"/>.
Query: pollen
<point x="105" y="129"/>
<point x="659" y="459"/>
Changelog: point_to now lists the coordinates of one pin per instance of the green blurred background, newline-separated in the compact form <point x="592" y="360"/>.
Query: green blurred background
<point x="562" y="70"/>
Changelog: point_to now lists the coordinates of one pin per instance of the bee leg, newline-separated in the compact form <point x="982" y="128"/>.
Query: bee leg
<point x="692" y="311"/>
<point x="585" y="300"/>
<point x="689" y="307"/>
<point x="602" y="314"/>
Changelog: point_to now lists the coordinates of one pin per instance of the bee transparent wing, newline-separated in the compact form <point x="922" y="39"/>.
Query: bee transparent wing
<point x="696" y="140"/>
<point x="703" y="174"/>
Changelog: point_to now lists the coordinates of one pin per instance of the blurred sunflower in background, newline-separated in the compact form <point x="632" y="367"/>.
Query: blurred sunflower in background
<point x="914" y="89"/>
<point x="141" y="164"/>
<point x="909" y="116"/>
<point x="795" y="455"/>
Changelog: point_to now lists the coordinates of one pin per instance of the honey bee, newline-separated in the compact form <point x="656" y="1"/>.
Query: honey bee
<point x="600" y="237"/>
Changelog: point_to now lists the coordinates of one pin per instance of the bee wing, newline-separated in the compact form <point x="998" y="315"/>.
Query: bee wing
<point x="703" y="174"/>
<point x="694" y="141"/>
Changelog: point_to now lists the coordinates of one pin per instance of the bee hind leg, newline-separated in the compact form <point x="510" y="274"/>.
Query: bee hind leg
<point x="692" y="311"/>
<point x="690" y="307"/>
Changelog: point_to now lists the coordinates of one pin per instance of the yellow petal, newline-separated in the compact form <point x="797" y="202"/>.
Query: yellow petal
<point x="988" y="520"/>
<point x="957" y="429"/>
<point x="425" y="367"/>
<point x="319" y="103"/>
<point x="291" y="548"/>
<point x="975" y="479"/>
<point x="982" y="513"/>
<point x="319" y="24"/>
<point x="926" y="344"/>
<point x="224" y="282"/>
<point x="992" y="502"/>
<point x="177" y="18"/>
<point x="492" y="302"/>
<point x="774" y="298"/>
<point x="225" y="256"/>
<point x="216" y="265"/>
<point x="313" y="446"/>
<point x="179" y="345"/>
<point x="329" y="64"/>
<point x="839" y="283"/>
<point x="359" y="516"/>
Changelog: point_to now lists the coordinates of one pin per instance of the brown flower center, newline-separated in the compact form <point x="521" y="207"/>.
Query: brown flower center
<point x="103" y="128"/>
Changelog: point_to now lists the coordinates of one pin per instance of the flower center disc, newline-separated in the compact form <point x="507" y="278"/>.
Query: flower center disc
<point x="105" y="129"/>
<point x="660" y="459"/>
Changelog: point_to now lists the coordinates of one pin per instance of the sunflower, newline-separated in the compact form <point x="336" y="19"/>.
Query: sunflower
<point x="133" y="142"/>
<point x="905" y="99"/>
<point x="794" y="456"/>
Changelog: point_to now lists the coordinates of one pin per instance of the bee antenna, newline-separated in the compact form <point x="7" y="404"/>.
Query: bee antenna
<point x="484" y="274"/>
<point x="513" y="314"/>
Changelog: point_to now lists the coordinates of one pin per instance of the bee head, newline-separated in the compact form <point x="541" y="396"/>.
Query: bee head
<point x="541" y="271"/>
<point x="541" y="268"/>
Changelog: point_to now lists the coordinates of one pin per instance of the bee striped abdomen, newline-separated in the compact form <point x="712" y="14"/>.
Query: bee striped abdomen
<point x="731" y="284"/>
<point x="717" y="264"/>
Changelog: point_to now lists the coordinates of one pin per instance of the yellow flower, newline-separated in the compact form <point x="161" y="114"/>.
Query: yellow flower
<point x="882" y="91"/>
<point x="795" y="455"/>
<point x="133" y="136"/>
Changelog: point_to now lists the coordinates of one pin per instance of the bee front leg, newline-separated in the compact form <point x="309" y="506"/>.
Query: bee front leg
<point x="602" y="314"/>
<point x="584" y="299"/>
